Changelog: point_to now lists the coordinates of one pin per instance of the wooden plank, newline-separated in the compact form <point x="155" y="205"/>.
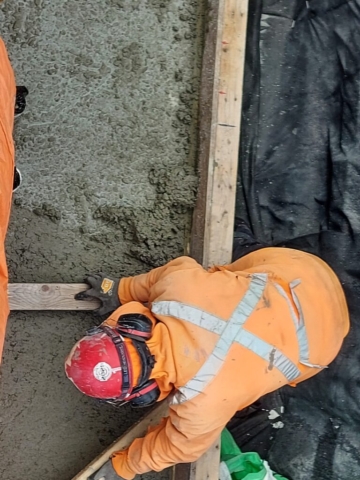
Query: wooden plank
<point x="221" y="101"/>
<point x="206" y="106"/>
<point x="182" y="471"/>
<point x="136" y="431"/>
<point x="208" y="466"/>
<point x="48" y="296"/>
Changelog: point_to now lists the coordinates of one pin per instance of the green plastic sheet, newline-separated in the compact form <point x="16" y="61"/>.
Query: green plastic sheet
<point x="243" y="466"/>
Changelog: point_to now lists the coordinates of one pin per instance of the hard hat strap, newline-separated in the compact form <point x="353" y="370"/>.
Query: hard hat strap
<point x="125" y="363"/>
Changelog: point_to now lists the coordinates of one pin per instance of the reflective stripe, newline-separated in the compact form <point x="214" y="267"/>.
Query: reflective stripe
<point x="301" y="330"/>
<point x="216" y="359"/>
<point x="214" y="324"/>
<point x="299" y="323"/>
<point x="193" y="315"/>
<point x="269" y="353"/>
<point x="198" y="317"/>
<point x="231" y="331"/>
<point x="302" y="334"/>
<point x="291" y="308"/>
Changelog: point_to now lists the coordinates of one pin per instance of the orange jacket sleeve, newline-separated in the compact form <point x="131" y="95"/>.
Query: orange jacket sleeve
<point x="188" y="432"/>
<point x="140" y="287"/>
<point x="173" y="441"/>
<point x="7" y="102"/>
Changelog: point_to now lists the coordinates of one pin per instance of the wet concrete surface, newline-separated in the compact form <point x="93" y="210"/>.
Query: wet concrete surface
<point x="107" y="150"/>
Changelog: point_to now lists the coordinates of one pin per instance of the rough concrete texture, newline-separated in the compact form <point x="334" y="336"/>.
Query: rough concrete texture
<point x="107" y="150"/>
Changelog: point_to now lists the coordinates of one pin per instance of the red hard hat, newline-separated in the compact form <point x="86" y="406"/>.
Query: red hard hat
<point x="95" y="368"/>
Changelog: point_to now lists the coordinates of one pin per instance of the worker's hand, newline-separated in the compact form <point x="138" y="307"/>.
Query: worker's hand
<point x="106" y="472"/>
<point x="103" y="288"/>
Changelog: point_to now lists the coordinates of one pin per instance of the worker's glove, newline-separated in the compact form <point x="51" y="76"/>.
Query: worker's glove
<point x="106" y="472"/>
<point x="103" y="288"/>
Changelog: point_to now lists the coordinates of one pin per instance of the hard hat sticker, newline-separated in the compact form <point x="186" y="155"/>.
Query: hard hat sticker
<point x="102" y="372"/>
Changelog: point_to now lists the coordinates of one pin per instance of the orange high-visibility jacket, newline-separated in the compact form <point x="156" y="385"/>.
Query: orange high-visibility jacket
<point x="7" y="105"/>
<point x="223" y="338"/>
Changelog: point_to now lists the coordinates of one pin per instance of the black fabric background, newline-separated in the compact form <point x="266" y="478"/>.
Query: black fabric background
<point x="299" y="186"/>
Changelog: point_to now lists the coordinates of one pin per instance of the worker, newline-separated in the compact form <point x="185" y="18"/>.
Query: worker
<point x="211" y="341"/>
<point x="10" y="177"/>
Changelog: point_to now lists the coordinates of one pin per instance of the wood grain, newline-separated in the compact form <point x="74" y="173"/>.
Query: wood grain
<point x="48" y="296"/>
<point x="208" y="466"/>
<point x="221" y="103"/>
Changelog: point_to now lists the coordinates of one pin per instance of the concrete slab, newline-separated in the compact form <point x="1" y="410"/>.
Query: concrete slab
<point x="107" y="149"/>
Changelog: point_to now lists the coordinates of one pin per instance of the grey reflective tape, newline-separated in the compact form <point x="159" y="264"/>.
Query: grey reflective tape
<point x="282" y="292"/>
<point x="229" y="331"/>
<point x="314" y="365"/>
<point x="301" y="331"/>
<point x="250" y="299"/>
<point x="298" y="320"/>
<point x="269" y="353"/>
<point x="190" y="314"/>
<point x="202" y="379"/>
<point x="216" y="359"/>
<point x="295" y="283"/>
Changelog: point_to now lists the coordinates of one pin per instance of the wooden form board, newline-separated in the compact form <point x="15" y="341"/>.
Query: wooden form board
<point x="206" y="468"/>
<point x="136" y="431"/>
<point x="48" y="296"/>
<point x="225" y="136"/>
<point x="220" y="117"/>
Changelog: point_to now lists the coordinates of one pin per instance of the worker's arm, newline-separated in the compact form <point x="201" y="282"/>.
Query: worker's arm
<point x="113" y="293"/>
<point x="140" y="288"/>
<point x="184" y="436"/>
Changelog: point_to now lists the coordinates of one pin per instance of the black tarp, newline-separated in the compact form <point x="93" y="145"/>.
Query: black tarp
<point x="299" y="186"/>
